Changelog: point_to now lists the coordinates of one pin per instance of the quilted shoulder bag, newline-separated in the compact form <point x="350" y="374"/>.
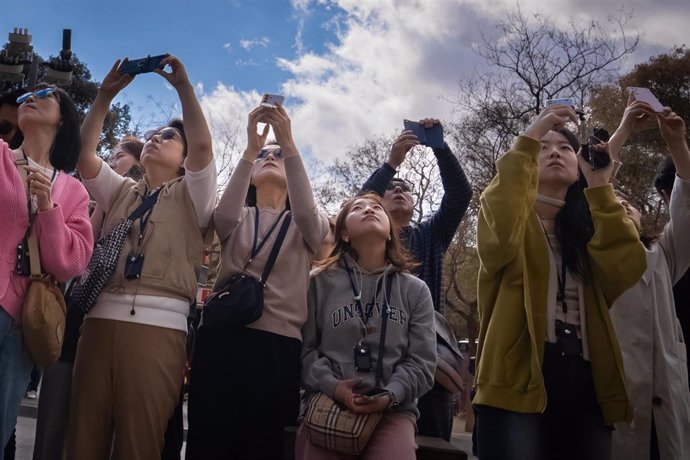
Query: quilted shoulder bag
<point x="86" y="288"/>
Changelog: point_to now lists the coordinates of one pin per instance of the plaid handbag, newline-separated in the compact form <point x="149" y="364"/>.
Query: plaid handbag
<point x="85" y="289"/>
<point x="332" y="426"/>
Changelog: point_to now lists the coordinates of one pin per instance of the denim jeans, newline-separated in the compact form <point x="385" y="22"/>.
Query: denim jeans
<point x="572" y="426"/>
<point x="15" y="373"/>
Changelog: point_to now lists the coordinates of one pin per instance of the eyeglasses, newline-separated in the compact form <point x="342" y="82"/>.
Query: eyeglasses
<point x="41" y="93"/>
<point x="403" y="184"/>
<point x="263" y="154"/>
<point x="165" y="134"/>
<point x="6" y="127"/>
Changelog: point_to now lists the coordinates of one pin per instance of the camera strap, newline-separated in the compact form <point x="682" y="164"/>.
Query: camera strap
<point x="385" y="313"/>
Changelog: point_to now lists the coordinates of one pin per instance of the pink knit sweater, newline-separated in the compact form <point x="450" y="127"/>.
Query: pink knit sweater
<point x="64" y="233"/>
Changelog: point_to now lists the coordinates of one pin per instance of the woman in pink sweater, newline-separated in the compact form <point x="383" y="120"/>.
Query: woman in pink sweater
<point x="58" y="213"/>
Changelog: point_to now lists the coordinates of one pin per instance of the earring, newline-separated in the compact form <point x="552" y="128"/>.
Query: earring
<point x="389" y="238"/>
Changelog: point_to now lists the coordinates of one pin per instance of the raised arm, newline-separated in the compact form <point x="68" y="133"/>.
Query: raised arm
<point x="312" y="224"/>
<point x="634" y="116"/>
<point x="379" y="179"/>
<point x="457" y="193"/>
<point x="199" y="145"/>
<point x="674" y="239"/>
<point x="228" y="213"/>
<point x="89" y="163"/>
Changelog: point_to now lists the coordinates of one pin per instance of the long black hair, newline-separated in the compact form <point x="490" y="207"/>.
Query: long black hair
<point x="67" y="144"/>
<point x="574" y="227"/>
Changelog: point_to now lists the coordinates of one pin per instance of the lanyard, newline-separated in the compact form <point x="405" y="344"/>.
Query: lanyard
<point x="255" y="249"/>
<point x="144" y="219"/>
<point x="560" y="296"/>
<point x="357" y="295"/>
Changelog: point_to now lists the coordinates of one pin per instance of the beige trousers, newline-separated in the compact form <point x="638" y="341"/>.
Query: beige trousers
<point x="126" y="384"/>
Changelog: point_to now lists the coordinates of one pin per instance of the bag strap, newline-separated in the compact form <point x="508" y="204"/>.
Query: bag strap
<point x="255" y="248"/>
<point x="384" y="322"/>
<point x="275" y="249"/>
<point x="31" y="240"/>
<point x="145" y="205"/>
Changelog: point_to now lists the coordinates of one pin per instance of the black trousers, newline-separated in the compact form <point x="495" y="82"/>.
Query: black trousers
<point x="436" y="413"/>
<point x="572" y="427"/>
<point x="243" y="392"/>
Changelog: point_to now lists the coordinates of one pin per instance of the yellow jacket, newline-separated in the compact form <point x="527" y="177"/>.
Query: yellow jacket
<point x="514" y="277"/>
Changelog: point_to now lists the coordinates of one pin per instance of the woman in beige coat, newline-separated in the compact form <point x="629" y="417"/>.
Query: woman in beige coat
<point x="651" y="340"/>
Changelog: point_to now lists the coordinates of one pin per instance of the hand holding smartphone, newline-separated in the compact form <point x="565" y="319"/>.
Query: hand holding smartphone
<point x="431" y="137"/>
<point x="375" y="394"/>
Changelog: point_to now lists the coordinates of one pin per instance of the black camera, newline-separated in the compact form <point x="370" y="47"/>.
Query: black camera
<point x="133" y="266"/>
<point x="23" y="266"/>
<point x="362" y="358"/>
<point x="597" y="156"/>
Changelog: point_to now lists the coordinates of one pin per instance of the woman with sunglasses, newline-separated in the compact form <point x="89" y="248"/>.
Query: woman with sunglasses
<point x="244" y="383"/>
<point x="52" y="205"/>
<point x="131" y="354"/>
<point x="555" y="250"/>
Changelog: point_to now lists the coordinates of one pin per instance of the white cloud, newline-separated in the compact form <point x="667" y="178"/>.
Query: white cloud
<point x="227" y="47"/>
<point x="395" y="59"/>
<point x="249" y="44"/>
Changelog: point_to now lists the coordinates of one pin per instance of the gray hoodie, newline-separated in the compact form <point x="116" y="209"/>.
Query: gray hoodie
<point x="334" y="328"/>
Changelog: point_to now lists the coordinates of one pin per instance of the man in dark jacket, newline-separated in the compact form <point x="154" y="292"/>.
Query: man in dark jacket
<point x="428" y="242"/>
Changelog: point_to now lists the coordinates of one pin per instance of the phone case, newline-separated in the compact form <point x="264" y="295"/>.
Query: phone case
<point x="645" y="95"/>
<point x="272" y="100"/>
<point x="434" y="136"/>
<point x="417" y="129"/>
<point x="143" y="65"/>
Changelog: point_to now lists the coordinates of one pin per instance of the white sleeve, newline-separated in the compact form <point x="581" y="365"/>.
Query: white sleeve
<point x="104" y="185"/>
<point x="674" y="238"/>
<point x="203" y="189"/>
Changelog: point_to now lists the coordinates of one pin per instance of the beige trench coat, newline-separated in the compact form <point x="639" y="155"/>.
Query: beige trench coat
<point x="652" y="345"/>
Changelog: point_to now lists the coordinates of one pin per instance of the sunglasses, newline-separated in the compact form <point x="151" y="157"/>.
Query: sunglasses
<point x="165" y="134"/>
<point x="40" y="94"/>
<point x="6" y="127"/>
<point x="263" y="154"/>
<point x="404" y="185"/>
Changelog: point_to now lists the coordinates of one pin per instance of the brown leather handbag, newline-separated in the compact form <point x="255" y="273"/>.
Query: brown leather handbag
<point x="43" y="316"/>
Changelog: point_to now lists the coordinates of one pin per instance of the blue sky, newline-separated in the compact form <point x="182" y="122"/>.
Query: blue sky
<point x="350" y="68"/>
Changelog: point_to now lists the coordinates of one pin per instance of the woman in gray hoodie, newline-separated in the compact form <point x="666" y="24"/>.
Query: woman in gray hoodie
<point x="347" y="296"/>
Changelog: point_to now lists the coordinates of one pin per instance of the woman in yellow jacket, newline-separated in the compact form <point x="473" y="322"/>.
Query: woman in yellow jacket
<point x="556" y="249"/>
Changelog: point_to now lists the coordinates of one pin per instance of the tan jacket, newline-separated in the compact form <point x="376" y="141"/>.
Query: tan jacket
<point x="172" y="244"/>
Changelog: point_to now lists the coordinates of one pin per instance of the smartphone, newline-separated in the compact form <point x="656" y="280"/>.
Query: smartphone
<point x="376" y="393"/>
<point x="569" y="101"/>
<point x="272" y="100"/>
<point x="143" y="65"/>
<point x="431" y="137"/>
<point x="645" y="95"/>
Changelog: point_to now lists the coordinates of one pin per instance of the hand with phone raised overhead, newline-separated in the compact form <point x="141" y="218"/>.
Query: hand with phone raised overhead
<point x="114" y="81"/>
<point x="403" y="144"/>
<point x="636" y="113"/>
<point x="551" y="118"/>
<point x="177" y="77"/>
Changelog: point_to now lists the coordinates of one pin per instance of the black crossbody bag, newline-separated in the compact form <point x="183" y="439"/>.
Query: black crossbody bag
<point x="241" y="299"/>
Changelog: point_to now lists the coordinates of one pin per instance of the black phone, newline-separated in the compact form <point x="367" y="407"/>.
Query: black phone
<point x="376" y="393"/>
<point x="143" y="65"/>
<point x="431" y="137"/>
<point x="597" y="156"/>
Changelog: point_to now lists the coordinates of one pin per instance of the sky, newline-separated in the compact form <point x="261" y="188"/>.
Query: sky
<point x="349" y="69"/>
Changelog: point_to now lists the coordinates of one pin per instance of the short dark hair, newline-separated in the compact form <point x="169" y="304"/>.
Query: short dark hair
<point x="178" y="124"/>
<point x="64" y="154"/>
<point x="132" y="145"/>
<point x="665" y="176"/>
